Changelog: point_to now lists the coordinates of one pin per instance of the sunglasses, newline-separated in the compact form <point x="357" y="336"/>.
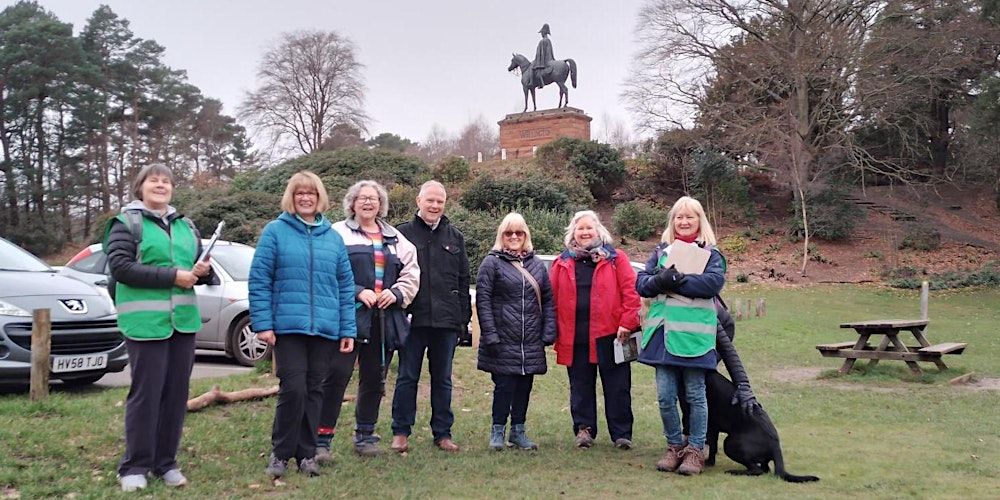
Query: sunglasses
<point x="508" y="234"/>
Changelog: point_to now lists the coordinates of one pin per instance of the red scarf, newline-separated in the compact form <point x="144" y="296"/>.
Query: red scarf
<point x="687" y="239"/>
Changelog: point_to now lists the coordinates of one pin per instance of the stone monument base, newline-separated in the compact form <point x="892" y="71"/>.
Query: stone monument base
<point x="521" y="133"/>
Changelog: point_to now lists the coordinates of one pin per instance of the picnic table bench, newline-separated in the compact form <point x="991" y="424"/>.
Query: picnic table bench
<point x="890" y="347"/>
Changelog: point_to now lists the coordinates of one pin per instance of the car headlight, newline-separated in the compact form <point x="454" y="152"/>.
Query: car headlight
<point x="103" y="292"/>
<point x="8" y="309"/>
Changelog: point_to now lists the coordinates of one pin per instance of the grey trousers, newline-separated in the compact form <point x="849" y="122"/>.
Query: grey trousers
<point x="157" y="402"/>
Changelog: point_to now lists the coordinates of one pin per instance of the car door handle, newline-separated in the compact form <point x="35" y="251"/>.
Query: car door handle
<point x="101" y="283"/>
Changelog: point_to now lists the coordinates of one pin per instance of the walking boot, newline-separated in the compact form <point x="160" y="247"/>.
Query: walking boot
<point x="497" y="438"/>
<point x="672" y="459"/>
<point x="583" y="438"/>
<point x="519" y="439"/>
<point x="693" y="461"/>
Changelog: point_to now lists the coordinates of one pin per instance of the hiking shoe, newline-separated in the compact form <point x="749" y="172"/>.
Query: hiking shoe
<point x="519" y="439"/>
<point x="308" y="466"/>
<point x="692" y="461"/>
<point x="583" y="438"/>
<point x="276" y="467"/>
<point x="497" y="438"/>
<point x="623" y="444"/>
<point x="323" y="456"/>
<point x="174" y="479"/>
<point x="132" y="482"/>
<point x="672" y="459"/>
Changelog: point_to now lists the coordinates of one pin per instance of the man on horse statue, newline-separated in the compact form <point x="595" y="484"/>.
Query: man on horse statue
<point x="543" y="56"/>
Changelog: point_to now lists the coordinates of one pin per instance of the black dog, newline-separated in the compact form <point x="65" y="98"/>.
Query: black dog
<point x="750" y="441"/>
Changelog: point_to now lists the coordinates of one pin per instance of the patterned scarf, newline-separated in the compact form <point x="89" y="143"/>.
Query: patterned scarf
<point x="595" y="253"/>
<point x="519" y="255"/>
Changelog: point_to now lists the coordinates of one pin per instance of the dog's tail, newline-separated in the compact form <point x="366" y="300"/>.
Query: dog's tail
<point x="779" y="461"/>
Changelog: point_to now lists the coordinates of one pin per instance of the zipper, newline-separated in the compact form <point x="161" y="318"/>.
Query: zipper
<point x="523" y="361"/>
<point x="312" y="312"/>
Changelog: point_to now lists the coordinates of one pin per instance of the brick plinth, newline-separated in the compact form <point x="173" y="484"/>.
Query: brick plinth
<point x="521" y="132"/>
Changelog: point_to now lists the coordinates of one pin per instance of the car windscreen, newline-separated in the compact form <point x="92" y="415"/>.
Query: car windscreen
<point x="14" y="258"/>
<point x="235" y="259"/>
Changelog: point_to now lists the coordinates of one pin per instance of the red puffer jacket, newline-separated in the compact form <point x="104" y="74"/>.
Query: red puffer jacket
<point x="613" y="301"/>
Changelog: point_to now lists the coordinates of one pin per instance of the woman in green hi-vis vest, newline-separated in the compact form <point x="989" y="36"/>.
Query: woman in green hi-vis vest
<point x="679" y="332"/>
<point x="158" y="315"/>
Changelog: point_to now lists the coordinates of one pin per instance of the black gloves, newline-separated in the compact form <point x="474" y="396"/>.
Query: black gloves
<point x="669" y="279"/>
<point x="744" y="398"/>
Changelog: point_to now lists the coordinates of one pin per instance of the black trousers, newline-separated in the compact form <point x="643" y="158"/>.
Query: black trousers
<point x="303" y="362"/>
<point x="616" y="381"/>
<point x="372" y="360"/>
<point x="156" y="403"/>
<point x="511" y="394"/>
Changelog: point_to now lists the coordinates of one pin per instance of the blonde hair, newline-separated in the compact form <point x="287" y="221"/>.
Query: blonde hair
<point x="352" y="196"/>
<point x="305" y="180"/>
<point x="602" y="232"/>
<point x="513" y="221"/>
<point x="705" y="233"/>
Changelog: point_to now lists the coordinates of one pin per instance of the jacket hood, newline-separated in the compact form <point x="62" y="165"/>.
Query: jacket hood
<point x="300" y="226"/>
<point x="140" y="205"/>
<point x="387" y="230"/>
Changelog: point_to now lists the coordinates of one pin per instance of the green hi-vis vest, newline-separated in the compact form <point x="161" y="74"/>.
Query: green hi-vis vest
<point x="688" y="324"/>
<point x="155" y="313"/>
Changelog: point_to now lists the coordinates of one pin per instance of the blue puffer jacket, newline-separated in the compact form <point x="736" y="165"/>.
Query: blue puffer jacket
<point x="301" y="280"/>
<point x="515" y="330"/>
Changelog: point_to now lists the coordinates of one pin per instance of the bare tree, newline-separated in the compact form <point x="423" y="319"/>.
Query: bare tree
<point x="779" y="84"/>
<point x="308" y="84"/>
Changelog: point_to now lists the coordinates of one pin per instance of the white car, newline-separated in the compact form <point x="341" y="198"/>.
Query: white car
<point x="224" y="306"/>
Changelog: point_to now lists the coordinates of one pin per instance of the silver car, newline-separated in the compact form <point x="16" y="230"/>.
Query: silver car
<point x="86" y="342"/>
<point x="224" y="306"/>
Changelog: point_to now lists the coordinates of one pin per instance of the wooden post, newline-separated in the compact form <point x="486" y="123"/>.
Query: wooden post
<point x="762" y="307"/>
<point x="747" y="306"/>
<point x="924" y="297"/>
<point x="739" y="309"/>
<point x="41" y="348"/>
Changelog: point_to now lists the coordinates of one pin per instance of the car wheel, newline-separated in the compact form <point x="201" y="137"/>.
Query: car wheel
<point x="82" y="381"/>
<point x="243" y="342"/>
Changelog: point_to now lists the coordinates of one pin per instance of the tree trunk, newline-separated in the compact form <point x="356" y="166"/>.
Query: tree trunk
<point x="940" y="135"/>
<point x="7" y="166"/>
<point x="38" y="193"/>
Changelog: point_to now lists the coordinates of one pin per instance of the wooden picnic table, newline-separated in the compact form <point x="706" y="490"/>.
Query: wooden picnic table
<point x="890" y="347"/>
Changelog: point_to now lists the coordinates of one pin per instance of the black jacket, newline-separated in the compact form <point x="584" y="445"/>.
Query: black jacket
<point x="121" y="250"/>
<point x="443" y="300"/>
<point x="514" y="329"/>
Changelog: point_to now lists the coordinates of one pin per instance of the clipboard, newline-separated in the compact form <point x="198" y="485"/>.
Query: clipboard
<point x="207" y="251"/>
<point x="688" y="258"/>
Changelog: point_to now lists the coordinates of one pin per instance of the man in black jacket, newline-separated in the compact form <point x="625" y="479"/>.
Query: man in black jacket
<point x="440" y="312"/>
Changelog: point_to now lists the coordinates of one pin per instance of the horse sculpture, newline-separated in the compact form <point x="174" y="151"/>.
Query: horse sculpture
<point x="557" y="72"/>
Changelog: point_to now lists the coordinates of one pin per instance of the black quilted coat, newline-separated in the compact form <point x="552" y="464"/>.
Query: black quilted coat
<point x="514" y="330"/>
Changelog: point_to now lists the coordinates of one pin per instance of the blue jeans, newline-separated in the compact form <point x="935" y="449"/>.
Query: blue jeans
<point x="439" y="343"/>
<point x="667" y="378"/>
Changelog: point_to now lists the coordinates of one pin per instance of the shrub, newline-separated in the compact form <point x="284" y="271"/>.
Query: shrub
<point x="908" y="278"/>
<point x="831" y="216"/>
<point x="451" y="169"/>
<point x="488" y="193"/>
<point x="402" y="203"/>
<point x="599" y="165"/>
<point x="480" y="228"/>
<point x="717" y="183"/>
<point x="734" y="245"/>
<point x="38" y="236"/>
<point x="639" y="220"/>
<point x="245" y="215"/>
<point x="920" y="237"/>
<point x="343" y="167"/>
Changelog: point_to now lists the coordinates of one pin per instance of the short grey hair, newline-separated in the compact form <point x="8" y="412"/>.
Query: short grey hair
<point x="602" y="232"/>
<point x="148" y="170"/>
<point x="352" y="195"/>
<point x="429" y="184"/>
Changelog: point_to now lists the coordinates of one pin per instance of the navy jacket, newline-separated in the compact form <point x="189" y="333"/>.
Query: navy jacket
<point x="301" y="281"/>
<point x="443" y="300"/>
<point x="514" y="330"/>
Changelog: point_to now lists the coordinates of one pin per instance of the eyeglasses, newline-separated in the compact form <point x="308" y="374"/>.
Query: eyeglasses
<point x="304" y="194"/>
<point x="508" y="234"/>
<point x="367" y="199"/>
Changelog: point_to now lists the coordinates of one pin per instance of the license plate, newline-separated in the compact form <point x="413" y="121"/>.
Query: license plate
<point x="62" y="364"/>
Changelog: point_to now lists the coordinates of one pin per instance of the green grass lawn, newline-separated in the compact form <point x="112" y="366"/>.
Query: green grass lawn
<point x="881" y="434"/>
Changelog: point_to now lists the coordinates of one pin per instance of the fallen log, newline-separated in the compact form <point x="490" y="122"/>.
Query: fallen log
<point x="216" y="395"/>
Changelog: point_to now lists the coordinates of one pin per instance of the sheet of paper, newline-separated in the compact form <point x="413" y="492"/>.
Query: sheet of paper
<point x="688" y="258"/>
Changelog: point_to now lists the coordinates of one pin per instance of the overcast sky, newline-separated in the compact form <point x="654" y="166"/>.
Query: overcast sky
<point x="427" y="61"/>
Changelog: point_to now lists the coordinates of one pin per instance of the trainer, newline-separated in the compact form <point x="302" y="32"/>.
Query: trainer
<point x="440" y="311"/>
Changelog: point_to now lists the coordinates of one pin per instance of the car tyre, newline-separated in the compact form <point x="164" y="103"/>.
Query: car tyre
<point x="243" y="344"/>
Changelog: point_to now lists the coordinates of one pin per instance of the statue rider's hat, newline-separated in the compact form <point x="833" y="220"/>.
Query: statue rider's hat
<point x="545" y="29"/>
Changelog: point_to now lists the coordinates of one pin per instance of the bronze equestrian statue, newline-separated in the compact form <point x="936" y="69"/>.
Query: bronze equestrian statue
<point x="545" y="69"/>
